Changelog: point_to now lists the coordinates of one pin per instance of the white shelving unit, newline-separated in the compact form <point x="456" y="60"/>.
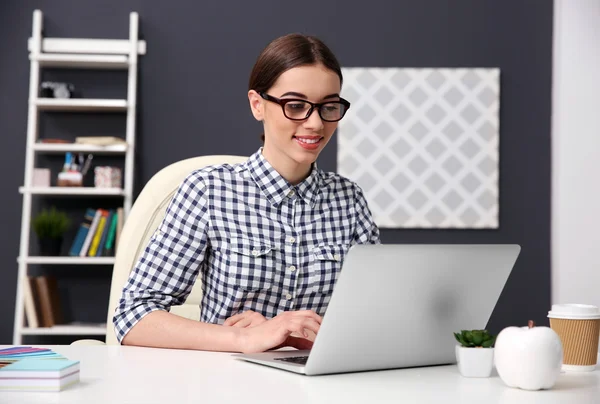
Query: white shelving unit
<point x="73" y="53"/>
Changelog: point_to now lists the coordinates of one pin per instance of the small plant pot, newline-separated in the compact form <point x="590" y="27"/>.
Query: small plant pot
<point x="475" y="362"/>
<point x="50" y="246"/>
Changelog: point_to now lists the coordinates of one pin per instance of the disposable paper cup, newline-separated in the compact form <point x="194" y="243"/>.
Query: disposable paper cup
<point x="578" y="326"/>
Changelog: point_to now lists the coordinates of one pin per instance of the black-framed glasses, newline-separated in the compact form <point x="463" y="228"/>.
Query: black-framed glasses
<point x="298" y="109"/>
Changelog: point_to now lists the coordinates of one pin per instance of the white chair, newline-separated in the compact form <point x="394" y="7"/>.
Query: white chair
<point x="146" y="214"/>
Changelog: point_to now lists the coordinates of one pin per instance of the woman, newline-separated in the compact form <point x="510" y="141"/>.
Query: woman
<point x="268" y="237"/>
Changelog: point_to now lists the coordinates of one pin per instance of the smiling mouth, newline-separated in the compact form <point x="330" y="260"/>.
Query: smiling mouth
<point x="308" y="140"/>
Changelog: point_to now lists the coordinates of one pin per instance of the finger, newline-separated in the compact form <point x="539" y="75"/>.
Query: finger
<point x="303" y="328"/>
<point x="298" y="343"/>
<point x="310" y="314"/>
<point x="309" y="324"/>
<point x="311" y="335"/>
<point x="234" y="319"/>
<point x="243" y="323"/>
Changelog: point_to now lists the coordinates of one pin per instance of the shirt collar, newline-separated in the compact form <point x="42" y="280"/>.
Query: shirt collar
<point x="275" y="187"/>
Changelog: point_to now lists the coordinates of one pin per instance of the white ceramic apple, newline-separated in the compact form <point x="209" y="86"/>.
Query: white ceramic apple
<point x="528" y="358"/>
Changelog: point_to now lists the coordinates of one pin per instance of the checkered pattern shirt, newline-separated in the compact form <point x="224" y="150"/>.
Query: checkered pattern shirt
<point x="257" y="242"/>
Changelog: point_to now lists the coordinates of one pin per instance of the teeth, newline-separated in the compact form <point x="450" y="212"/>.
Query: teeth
<point x="308" y="140"/>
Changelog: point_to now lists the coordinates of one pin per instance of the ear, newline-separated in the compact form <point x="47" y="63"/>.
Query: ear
<point x="256" y="105"/>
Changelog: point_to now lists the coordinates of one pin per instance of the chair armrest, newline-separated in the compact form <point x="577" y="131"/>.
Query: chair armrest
<point x="87" y="342"/>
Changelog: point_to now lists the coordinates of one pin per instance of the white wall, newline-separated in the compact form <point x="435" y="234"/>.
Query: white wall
<point x="576" y="153"/>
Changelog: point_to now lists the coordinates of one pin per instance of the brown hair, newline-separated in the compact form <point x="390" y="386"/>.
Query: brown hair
<point x="287" y="52"/>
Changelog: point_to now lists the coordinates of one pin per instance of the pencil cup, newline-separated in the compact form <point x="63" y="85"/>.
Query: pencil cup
<point x="69" y="179"/>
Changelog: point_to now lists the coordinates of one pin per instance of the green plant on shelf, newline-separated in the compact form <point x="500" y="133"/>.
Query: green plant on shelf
<point x="50" y="224"/>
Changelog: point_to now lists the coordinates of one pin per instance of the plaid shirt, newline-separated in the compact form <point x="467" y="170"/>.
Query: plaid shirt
<point x="258" y="243"/>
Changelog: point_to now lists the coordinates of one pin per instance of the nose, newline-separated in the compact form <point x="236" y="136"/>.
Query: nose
<point x="314" y="122"/>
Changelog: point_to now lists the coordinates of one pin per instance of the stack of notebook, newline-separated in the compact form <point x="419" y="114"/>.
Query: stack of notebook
<point x="36" y="369"/>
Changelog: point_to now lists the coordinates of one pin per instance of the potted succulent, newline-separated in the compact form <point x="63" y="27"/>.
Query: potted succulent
<point x="50" y="226"/>
<point x="475" y="353"/>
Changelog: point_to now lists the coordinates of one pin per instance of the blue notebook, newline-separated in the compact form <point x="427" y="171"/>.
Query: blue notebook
<point x="42" y="368"/>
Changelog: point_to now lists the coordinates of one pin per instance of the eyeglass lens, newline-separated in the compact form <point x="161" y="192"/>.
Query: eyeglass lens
<point x="331" y="111"/>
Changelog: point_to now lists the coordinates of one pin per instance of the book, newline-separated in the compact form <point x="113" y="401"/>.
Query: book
<point x="81" y="235"/>
<point x="52" y="140"/>
<point x="14" y="354"/>
<point x="100" y="140"/>
<point x="120" y="224"/>
<point x="98" y="233"/>
<point x="102" y="244"/>
<point x="40" y="368"/>
<point x="34" y="374"/>
<point x="49" y="301"/>
<point x="109" y="251"/>
<point x="30" y="306"/>
<point x="90" y="234"/>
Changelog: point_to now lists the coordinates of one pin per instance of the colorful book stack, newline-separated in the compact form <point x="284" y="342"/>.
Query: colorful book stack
<point x="26" y="368"/>
<point x="98" y="234"/>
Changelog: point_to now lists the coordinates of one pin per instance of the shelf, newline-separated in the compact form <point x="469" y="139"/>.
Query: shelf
<point x="73" y="191"/>
<point x="80" y="104"/>
<point x="69" y="260"/>
<point x="66" y="60"/>
<point x="75" y="147"/>
<point x="67" y="329"/>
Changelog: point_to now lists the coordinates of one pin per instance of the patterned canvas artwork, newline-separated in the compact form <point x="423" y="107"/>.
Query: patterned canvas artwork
<point x="423" y="144"/>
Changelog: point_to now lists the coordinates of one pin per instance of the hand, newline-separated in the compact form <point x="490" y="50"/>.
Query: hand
<point x="246" y="319"/>
<point x="277" y="332"/>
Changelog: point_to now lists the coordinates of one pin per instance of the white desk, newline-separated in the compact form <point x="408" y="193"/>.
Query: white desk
<point x="115" y="374"/>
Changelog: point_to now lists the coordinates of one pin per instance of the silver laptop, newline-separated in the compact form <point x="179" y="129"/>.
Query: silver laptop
<point x="396" y="306"/>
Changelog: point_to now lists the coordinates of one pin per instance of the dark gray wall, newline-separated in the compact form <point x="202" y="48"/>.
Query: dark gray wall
<point x="192" y="101"/>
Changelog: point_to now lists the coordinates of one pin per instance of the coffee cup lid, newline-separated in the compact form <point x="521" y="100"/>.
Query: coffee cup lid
<point x="574" y="311"/>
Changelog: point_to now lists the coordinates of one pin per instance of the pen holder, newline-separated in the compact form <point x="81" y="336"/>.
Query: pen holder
<point x="107" y="177"/>
<point x="70" y="179"/>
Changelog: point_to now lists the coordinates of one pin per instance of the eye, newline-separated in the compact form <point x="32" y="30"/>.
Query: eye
<point x="296" y="105"/>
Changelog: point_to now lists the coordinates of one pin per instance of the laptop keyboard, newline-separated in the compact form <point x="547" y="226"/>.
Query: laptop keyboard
<point x="301" y="360"/>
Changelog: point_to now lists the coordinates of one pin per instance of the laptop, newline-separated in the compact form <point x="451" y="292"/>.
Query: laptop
<point x="397" y="306"/>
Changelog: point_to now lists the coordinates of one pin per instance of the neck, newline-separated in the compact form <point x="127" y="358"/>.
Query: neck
<point x="291" y="171"/>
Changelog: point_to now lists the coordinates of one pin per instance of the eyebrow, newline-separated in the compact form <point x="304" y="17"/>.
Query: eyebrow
<point x="295" y="94"/>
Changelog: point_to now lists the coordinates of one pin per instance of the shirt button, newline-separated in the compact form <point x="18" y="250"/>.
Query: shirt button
<point x="288" y="296"/>
<point x="291" y="193"/>
<point x="336" y="257"/>
<point x="292" y="268"/>
<point x="291" y="240"/>
<point x="255" y="252"/>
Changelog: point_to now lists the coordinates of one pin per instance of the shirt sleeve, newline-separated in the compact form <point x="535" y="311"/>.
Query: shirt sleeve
<point x="366" y="231"/>
<point x="167" y="269"/>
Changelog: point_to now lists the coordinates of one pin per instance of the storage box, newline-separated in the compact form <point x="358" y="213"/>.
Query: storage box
<point x="41" y="177"/>
<point x="107" y="177"/>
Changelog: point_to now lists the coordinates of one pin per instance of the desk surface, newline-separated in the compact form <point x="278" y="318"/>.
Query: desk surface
<point x="117" y="374"/>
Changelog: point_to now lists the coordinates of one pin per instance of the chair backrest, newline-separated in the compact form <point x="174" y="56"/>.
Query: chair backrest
<point x="146" y="214"/>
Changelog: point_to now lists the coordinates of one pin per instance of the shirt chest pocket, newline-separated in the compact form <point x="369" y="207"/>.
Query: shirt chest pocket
<point x="250" y="264"/>
<point x="325" y="266"/>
